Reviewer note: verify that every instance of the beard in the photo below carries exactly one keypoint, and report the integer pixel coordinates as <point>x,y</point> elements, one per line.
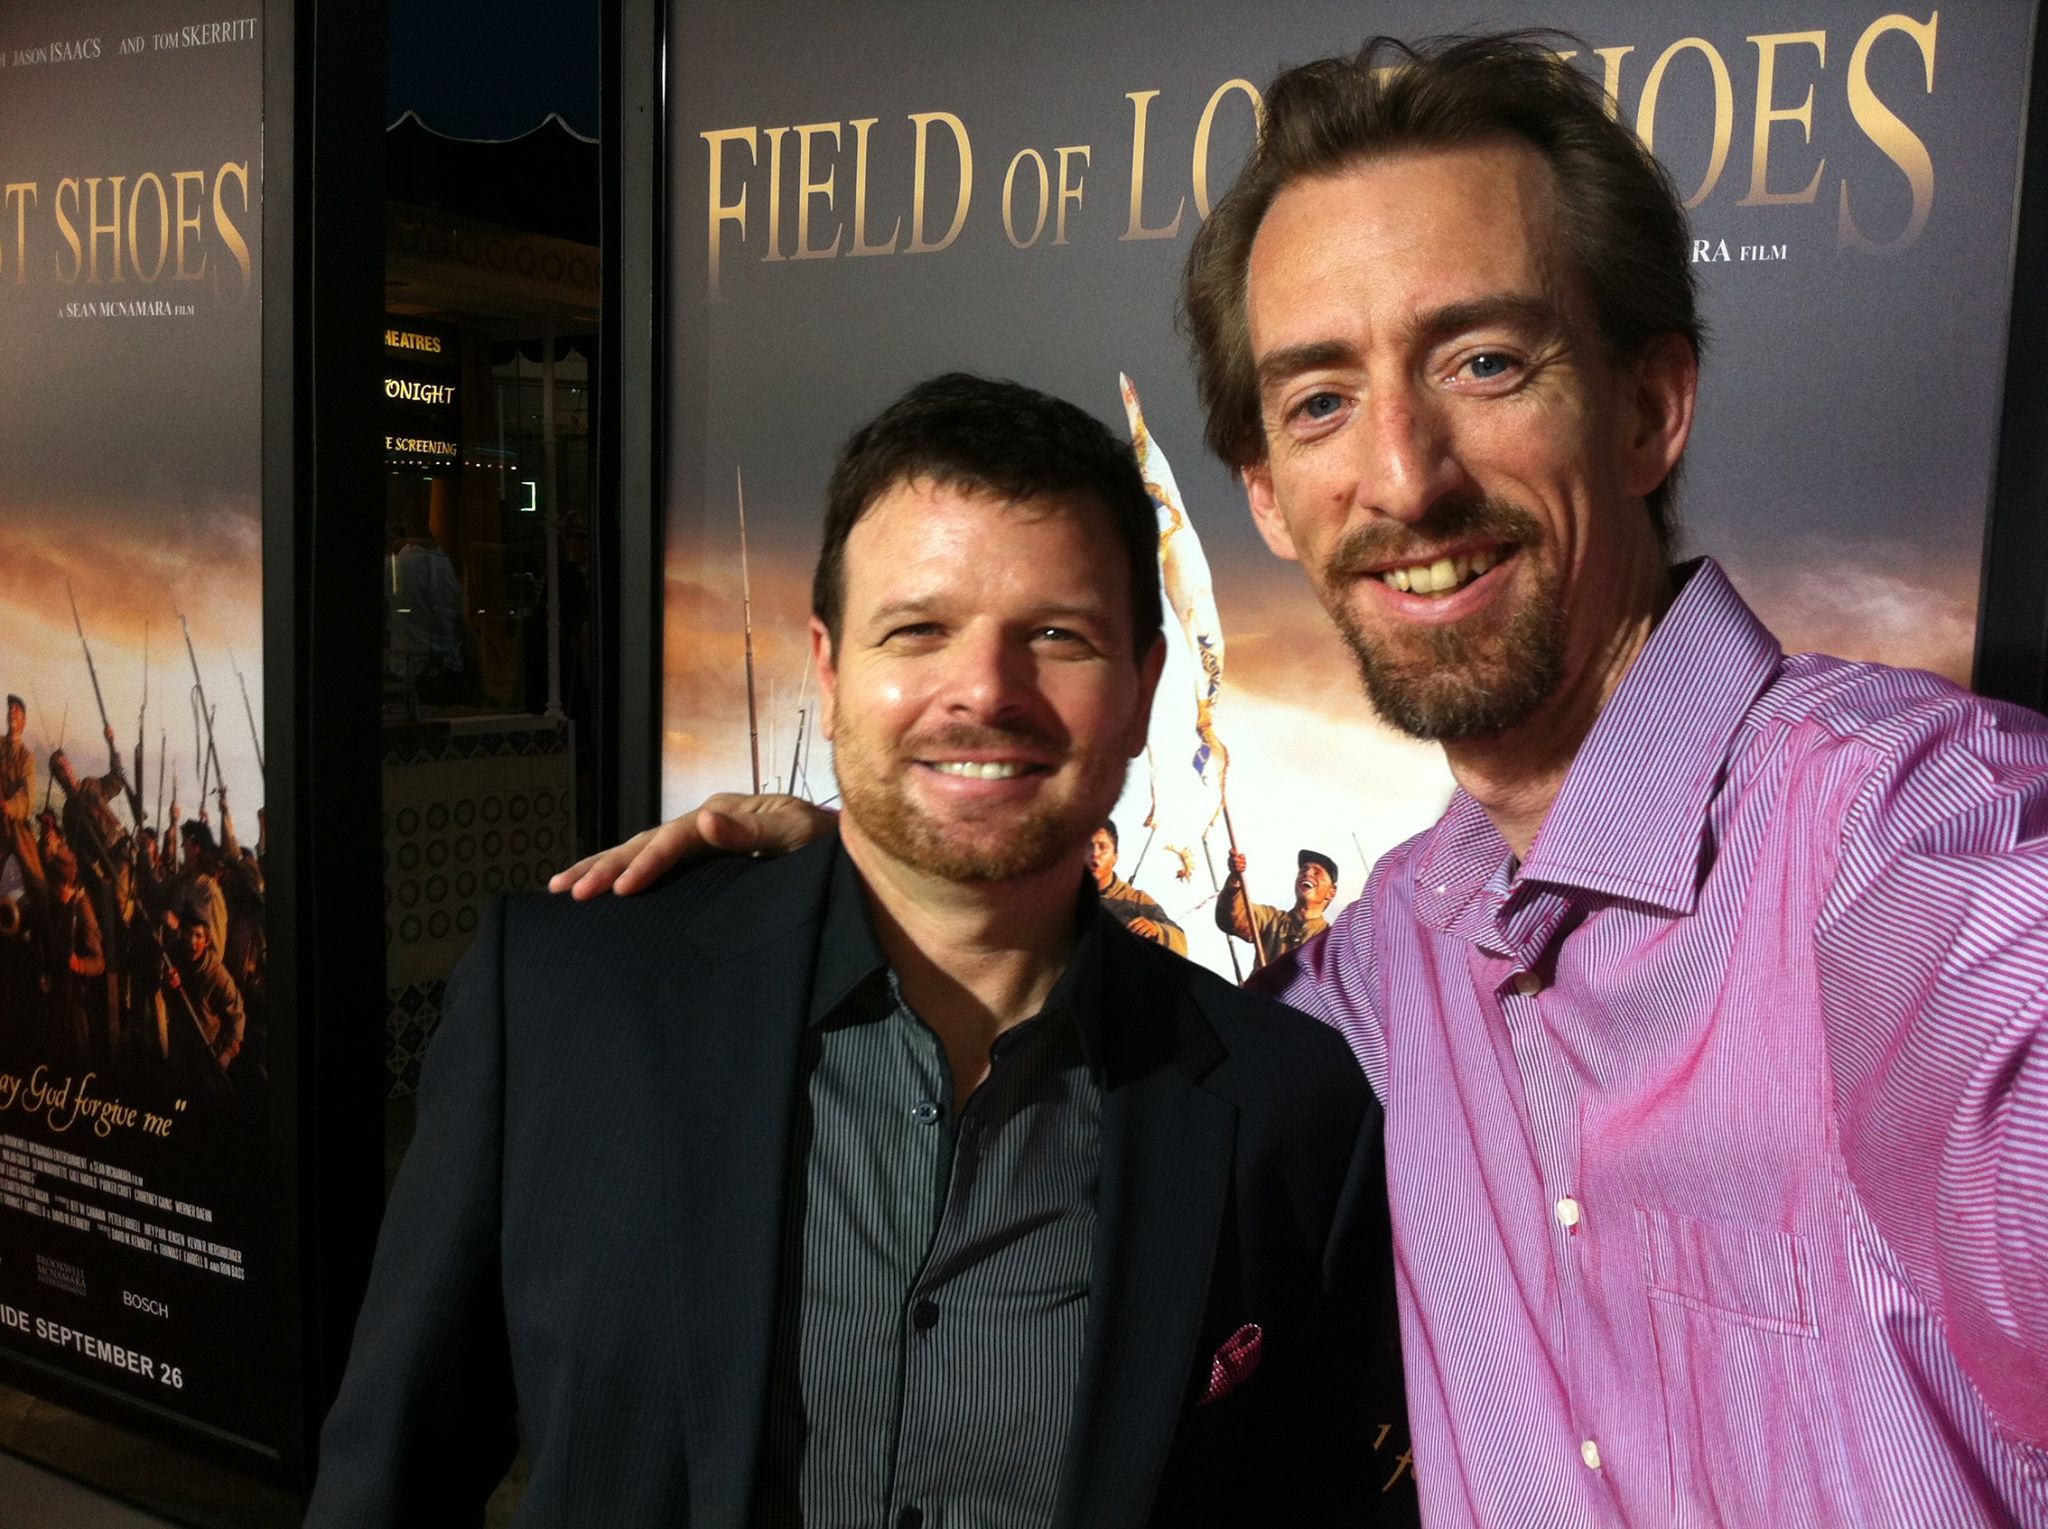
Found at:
<point>1473,679</point>
<point>989,842</point>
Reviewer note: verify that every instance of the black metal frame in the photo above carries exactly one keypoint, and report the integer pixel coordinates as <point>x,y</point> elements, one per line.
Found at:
<point>323,616</point>
<point>2012,621</point>
<point>322,190</point>
<point>630,446</point>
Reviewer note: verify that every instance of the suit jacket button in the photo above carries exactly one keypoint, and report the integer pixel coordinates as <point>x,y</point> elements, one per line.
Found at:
<point>926,1315</point>
<point>911,1517</point>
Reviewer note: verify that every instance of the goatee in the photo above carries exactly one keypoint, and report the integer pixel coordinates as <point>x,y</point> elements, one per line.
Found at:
<point>1475,678</point>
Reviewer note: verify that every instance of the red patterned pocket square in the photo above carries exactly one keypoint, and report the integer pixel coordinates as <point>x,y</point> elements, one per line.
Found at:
<point>1235,1363</point>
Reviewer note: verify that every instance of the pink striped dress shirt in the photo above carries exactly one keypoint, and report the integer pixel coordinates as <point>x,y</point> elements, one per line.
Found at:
<point>1717,1130</point>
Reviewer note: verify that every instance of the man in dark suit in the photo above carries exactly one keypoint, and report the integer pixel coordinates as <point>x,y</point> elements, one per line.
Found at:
<point>894,1183</point>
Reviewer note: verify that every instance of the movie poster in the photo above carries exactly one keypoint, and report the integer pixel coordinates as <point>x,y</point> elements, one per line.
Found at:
<point>136,1239</point>
<point>863,195</point>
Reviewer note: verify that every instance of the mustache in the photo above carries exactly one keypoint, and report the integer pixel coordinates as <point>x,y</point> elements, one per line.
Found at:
<point>968,738</point>
<point>1448,522</point>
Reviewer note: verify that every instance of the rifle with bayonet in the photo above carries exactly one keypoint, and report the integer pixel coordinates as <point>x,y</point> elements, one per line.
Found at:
<point>249,711</point>
<point>211,759</point>
<point>100,700</point>
<point>63,732</point>
<point>135,801</point>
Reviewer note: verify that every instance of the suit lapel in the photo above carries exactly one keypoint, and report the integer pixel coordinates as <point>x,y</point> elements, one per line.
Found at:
<point>733,1006</point>
<point>1166,1168</point>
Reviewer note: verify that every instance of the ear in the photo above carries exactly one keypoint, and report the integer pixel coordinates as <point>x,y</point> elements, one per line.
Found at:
<point>828,677</point>
<point>1659,394</point>
<point>1149,669</point>
<point>1258,492</point>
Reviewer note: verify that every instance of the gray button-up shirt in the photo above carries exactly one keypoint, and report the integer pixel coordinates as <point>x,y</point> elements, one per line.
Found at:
<point>935,1269</point>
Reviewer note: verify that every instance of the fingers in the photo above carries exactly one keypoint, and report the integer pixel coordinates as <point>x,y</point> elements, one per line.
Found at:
<point>593,875</point>
<point>761,825</point>
<point>678,839</point>
<point>726,823</point>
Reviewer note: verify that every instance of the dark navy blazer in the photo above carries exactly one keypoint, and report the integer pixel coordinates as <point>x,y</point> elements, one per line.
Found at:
<point>587,1230</point>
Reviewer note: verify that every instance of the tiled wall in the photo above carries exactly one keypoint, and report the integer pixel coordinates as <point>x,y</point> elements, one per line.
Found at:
<point>469,812</point>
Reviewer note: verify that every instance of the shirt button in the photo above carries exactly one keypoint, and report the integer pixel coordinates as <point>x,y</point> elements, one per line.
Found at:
<point>1568,1212</point>
<point>1590,1453</point>
<point>911,1517</point>
<point>1528,984</point>
<point>925,1111</point>
<point>925,1314</point>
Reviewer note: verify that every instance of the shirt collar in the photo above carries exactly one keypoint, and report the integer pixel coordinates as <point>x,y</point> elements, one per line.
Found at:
<point>849,955</point>
<point>1630,819</point>
<point>848,952</point>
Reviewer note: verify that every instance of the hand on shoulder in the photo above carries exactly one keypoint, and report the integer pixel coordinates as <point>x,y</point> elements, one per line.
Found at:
<point>725,824</point>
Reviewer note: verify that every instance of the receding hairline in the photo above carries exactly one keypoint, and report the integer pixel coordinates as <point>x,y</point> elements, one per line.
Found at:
<point>1559,282</point>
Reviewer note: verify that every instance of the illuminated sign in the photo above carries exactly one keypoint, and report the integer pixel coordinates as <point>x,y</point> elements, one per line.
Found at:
<point>413,340</point>
<point>422,446</point>
<point>408,390</point>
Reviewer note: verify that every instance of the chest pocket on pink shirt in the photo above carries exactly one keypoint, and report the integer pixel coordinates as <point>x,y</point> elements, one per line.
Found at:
<point>1750,1424</point>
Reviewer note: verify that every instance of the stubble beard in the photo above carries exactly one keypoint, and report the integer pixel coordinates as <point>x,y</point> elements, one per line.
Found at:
<point>995,845</point>
<point>1474,679</point>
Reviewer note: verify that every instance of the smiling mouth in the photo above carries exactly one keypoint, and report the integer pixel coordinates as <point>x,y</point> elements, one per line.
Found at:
<point>983,769</point>
<point>1443,575</point>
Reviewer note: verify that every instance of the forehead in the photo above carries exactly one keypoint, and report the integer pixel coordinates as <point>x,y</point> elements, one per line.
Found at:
<point>926,540</point>
<point>1388,239</point>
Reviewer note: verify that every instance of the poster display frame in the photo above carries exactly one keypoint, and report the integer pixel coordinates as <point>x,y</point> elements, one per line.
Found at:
<point>322,222</point>
<point>2010,653</point>
<point>631,444</point>
<point>2012,623</point>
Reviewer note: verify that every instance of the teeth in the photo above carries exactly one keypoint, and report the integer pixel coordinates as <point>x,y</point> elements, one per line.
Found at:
<point>978,770</point>
<point>1443,575</point>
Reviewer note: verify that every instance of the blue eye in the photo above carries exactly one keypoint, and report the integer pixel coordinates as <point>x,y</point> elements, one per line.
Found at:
<point>1489,364</point>
<point>1321,405</point>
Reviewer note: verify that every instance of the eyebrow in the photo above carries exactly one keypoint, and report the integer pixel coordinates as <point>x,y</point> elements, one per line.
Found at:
<point>897,609</point>
<point>925,605</point>
<point>1496,308</point>
<point>1291,360</point>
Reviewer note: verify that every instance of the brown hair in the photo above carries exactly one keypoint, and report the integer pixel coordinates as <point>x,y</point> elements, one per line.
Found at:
<point>1622,221</point>
<point>1004,439</point>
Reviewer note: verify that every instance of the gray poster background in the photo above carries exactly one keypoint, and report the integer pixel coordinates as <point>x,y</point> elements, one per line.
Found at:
<point>1842,459</point>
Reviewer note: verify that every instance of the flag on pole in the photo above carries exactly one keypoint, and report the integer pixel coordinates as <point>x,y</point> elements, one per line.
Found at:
<point>1192,806</point>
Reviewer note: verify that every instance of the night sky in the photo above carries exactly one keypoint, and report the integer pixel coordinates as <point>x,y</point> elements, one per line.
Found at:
<point>494,68</point>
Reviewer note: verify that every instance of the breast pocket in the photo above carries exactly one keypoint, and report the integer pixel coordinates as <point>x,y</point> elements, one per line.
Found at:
<point>1751,1426</point>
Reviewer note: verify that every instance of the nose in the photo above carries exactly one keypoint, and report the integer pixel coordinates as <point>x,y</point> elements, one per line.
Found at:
<point>990,675</point>
<point>1411,461</point>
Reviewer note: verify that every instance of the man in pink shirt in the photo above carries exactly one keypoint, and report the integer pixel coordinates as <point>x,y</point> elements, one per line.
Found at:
<point>1709,1020</point>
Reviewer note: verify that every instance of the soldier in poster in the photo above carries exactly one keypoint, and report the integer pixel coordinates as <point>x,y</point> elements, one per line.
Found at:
<point>1276,931</point>
<point>88,819</point>
<point>17,797</point>
<point>78,958</point>
<point>197,974</point>
<point>1136,911</point>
